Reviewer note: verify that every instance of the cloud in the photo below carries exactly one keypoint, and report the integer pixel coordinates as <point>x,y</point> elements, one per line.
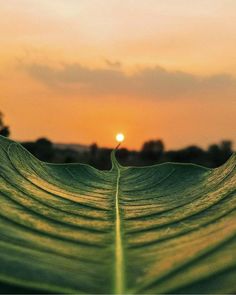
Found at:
<point>150,82</point>
<point>113,64</point>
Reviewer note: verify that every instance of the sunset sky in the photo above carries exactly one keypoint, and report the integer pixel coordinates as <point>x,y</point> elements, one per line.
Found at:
<point>79,71</point>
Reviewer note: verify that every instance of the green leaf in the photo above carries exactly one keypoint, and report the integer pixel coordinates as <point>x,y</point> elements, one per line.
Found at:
<point>168,228</point>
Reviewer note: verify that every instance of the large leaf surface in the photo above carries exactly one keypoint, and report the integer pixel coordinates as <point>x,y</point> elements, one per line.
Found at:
<point>167,228</point>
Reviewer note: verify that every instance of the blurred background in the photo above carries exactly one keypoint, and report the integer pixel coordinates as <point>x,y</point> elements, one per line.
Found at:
<point>163,72</point>
<point>151,152</point>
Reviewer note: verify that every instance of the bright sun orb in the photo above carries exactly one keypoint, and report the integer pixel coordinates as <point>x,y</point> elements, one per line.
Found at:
<point>120,137</point>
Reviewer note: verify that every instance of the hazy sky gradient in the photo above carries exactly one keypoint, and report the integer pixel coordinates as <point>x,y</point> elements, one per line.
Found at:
<point>80,71</point>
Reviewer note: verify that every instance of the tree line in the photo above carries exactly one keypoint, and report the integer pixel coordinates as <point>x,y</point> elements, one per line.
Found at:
<point>151,152</point>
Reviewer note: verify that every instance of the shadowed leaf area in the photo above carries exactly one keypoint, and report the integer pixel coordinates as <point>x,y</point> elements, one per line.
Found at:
<point>168,228</point>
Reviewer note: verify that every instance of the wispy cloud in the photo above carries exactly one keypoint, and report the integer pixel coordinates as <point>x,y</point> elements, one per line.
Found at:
<point>112,64</point>
<point>153,82</point>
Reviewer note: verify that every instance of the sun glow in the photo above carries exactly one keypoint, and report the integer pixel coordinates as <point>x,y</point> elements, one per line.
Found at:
<point>120,137</point>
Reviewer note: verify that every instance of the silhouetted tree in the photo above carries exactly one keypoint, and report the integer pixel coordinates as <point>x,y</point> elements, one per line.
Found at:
<point>4,130</point>
<point>41,148</point>
<point>227,148</point>
<point>191,154</point>
<point>93,154</point>
<point>104,159</point>
<point>123,154</point>
<point>152,150</point>
<point>214,154</point>
<point>93,150</point>
<point>219,154</point>
<point>44,148</point>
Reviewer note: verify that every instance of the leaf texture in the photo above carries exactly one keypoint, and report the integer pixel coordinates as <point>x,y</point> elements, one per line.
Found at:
<point>168,228</point>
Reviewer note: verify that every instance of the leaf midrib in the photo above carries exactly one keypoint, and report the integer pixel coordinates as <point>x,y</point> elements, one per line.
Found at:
<point>119,259</point>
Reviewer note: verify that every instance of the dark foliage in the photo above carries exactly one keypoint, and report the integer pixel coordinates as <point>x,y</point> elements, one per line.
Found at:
<point>152,152</point>
<point>4,130</point>
<point>42,149</point>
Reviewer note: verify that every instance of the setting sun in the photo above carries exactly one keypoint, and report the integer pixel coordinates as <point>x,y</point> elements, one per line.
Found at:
<point>120,137</point>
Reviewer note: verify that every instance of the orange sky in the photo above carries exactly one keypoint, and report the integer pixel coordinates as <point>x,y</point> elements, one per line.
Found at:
<point>81,71</point>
